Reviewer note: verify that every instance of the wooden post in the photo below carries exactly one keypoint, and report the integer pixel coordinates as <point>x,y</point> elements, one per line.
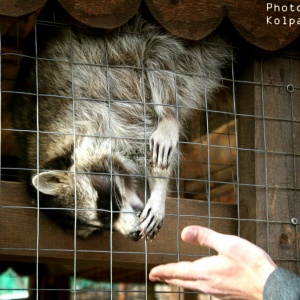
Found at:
<point>269,115</point>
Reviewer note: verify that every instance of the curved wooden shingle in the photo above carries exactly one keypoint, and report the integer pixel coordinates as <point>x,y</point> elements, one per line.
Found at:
<point>263,23</point>
<point>260,22</point>
<point>192,19</point>
<point>264,27</point>
<point>101,13</point>
<point>20,8</point>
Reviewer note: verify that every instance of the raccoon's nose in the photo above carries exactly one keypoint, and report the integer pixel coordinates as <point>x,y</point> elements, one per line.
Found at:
<point>138,212</point>
<point>135,236</point>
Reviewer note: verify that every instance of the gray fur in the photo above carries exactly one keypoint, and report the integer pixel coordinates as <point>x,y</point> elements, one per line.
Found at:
<point>138,84</point>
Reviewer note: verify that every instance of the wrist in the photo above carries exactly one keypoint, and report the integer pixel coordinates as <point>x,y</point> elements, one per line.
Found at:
<point>265,273</point>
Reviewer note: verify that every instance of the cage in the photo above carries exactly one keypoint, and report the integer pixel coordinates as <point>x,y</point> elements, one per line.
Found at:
<point>238,171</point>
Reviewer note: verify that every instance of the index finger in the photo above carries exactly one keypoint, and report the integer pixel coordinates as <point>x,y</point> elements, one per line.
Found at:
<point>181,270</point>
<point>187,271</point>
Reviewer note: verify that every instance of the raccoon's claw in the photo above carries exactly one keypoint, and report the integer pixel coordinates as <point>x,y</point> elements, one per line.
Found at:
<point>152,235</point>
<point>163,143</point>
<point>151,219</point>
<point>144,217</point>
<point>151,232</point>
<point>161,154</point>
<point>154,232</point>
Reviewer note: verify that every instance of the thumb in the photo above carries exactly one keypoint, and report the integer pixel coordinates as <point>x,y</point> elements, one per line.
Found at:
<point>203,236</point>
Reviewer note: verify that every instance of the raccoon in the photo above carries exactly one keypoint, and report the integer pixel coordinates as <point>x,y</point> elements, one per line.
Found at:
<point>99,118</point>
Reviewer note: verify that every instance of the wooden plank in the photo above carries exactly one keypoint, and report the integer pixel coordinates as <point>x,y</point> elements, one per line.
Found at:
<point>224,193</point>
<point>266,27</point>
<point>260,25</point>
<point>268,157</point>
<point>220,177</point>
<point>221,150</point>
<point>192,19</point>
<point>20,8</point>
<point>101,13</point>
<point>24,230</point>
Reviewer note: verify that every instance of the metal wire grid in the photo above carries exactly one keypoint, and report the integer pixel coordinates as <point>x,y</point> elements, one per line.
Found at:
<point>263,147</point>
<point>235,180</point>
<point>38,216</point>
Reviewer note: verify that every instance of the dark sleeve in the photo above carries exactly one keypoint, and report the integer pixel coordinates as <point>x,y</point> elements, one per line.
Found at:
<point>282,285</point>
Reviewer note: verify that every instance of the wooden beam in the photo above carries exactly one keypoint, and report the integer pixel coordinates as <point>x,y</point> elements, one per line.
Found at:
<point>19,8</point>
<point>101,13</point>
<point>183,18</point>
<point>221,149</point>
<point>270,27</point>
<point>269,118</point>
<point>27,234</point>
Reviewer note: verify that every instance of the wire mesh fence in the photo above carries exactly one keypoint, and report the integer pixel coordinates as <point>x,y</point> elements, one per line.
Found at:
<point>237,173</point>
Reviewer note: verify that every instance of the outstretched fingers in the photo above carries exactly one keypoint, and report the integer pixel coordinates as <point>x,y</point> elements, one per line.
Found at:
<point>239,271</point>
<point>190,270</point>
<point>173,271</point>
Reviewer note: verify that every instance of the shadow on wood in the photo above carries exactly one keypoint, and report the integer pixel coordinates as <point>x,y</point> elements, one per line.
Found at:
<point>28,235</point>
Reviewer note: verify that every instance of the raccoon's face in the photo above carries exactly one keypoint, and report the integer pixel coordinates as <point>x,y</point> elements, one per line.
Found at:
<point>99,196</point>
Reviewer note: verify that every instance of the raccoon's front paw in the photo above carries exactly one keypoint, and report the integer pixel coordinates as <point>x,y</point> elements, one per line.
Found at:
<point>151,221</point>
<point>163,142</point>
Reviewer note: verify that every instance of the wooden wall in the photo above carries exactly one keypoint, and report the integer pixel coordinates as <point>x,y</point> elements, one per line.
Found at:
<point>269,149</point>
<point>267,188</point>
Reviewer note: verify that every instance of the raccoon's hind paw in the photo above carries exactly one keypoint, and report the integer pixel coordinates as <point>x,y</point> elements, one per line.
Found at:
<point>163,142</point>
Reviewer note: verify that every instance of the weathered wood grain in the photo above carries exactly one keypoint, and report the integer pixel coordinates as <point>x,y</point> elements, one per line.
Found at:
<point>261,26</point>
<point>27,234</point>
<point>265,27</point>
<point>268,156</point>
<point>20,8</point>
<point>188,19</point>
<point>100,13</point>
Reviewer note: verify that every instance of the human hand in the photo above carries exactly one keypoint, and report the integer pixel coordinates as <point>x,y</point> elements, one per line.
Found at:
<point>239,271</point>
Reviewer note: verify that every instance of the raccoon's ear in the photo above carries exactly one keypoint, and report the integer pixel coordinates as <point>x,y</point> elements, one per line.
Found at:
<point>50,183</point>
